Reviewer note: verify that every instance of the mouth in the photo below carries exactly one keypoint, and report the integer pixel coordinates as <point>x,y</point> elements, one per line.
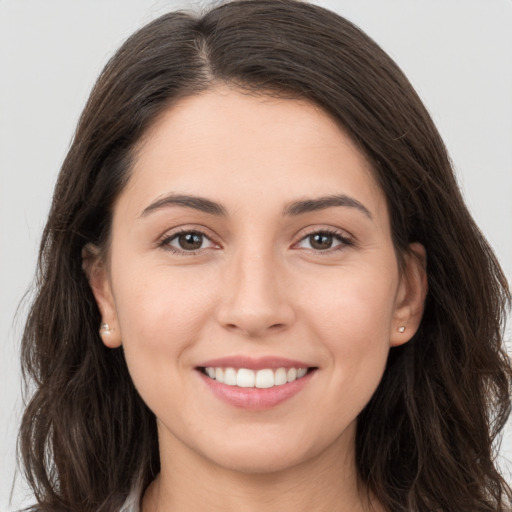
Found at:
<point>255,384</point>
<point>264,378</point>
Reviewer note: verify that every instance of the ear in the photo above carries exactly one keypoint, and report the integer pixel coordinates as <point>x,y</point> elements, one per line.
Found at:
<point>96,270</point>
<point>411,296</point>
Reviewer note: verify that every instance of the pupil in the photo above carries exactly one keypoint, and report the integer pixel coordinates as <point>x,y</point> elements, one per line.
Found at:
<point>190,241</point>
<point>321,241</point>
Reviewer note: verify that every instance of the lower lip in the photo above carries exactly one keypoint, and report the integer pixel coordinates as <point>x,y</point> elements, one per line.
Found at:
<point>256,398</point>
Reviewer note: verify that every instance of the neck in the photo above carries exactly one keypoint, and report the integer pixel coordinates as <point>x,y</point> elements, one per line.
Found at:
<point>327,482</point>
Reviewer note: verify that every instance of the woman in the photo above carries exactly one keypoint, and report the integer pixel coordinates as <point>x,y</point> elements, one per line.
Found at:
<point>260,219</point>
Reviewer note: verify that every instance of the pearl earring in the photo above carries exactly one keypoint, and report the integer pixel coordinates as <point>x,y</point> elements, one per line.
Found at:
<point>105,329</point>
<point>401,329</point>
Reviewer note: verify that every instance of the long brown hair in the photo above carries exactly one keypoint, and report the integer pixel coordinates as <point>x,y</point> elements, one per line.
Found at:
<point>425,441</point>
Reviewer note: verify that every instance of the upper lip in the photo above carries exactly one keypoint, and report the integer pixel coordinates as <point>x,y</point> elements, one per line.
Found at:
<point>254,363</point>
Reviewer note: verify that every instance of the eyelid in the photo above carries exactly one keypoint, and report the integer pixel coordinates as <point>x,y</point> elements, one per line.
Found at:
<point>171,234</point>
<point>346,239</point>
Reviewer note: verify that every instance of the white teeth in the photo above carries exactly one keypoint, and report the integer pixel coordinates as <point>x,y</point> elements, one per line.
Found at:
<point>230,377</point>
<point>301,372</point>
<point>264,379</point>
<point>280,377</point>
<point>245,378</point>
<point>219,374</point>
<point>291,374</point>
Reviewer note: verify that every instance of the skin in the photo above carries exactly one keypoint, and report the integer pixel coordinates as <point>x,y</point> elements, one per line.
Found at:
<point>255,287</point>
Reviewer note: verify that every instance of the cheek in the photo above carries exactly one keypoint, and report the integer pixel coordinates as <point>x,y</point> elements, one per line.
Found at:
<point>161,315</point>
<point>160,312</point>
<point>353,304</point>
<point>352,319</point>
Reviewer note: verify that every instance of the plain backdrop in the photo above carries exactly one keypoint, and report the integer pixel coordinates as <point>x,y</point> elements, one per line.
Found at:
<point>458,55</point>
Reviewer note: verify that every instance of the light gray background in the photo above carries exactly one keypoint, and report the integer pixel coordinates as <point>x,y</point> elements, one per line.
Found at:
<point>458,54</point>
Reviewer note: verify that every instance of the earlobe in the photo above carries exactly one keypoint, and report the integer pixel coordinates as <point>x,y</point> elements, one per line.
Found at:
<point>97,274</point>
<point>411,296</point>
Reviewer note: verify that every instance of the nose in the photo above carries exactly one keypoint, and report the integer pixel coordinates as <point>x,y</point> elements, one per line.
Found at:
<point>254,298</point>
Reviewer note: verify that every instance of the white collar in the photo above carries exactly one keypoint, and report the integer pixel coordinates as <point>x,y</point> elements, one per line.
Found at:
<point>132,503</point>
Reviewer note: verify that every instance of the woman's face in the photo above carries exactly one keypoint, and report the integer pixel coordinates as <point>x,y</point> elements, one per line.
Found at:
<point>252,243</point>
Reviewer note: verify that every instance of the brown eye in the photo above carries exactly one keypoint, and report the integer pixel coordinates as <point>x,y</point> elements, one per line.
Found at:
<point>188,241</point>
<point>323,241</point>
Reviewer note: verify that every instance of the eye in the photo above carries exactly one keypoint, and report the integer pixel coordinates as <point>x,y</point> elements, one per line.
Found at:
<point>187,241</point>
<point>324,241</point>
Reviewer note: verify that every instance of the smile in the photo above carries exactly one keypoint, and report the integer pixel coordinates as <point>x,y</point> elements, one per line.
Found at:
<point>247,378</point>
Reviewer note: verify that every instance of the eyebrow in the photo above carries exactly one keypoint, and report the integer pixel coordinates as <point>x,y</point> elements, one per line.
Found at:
<point>322,203</point>
<point>197,203</point>
<point>296,208</point>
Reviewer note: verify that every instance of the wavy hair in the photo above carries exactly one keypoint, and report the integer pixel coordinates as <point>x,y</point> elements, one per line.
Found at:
<point>426,439</point>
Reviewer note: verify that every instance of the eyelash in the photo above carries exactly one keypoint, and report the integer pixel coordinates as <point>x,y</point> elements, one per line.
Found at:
<point>339,236</point>
<point>167,239</point>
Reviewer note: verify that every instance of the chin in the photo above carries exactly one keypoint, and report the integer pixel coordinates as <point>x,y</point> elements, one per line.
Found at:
<point>255,454</point>
<point>258,461</point>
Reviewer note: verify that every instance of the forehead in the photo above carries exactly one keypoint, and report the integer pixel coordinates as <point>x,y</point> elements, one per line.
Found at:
<point>225,140</point>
